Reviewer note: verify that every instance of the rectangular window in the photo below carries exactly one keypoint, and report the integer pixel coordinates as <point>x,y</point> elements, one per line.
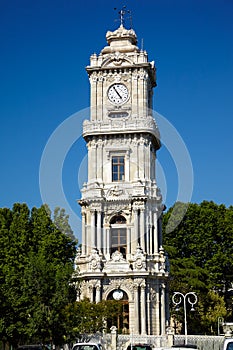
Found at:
<point>118,168</point>
<point>118,240</point>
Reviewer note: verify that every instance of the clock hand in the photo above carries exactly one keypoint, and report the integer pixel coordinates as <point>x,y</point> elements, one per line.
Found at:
<point>117,92</point>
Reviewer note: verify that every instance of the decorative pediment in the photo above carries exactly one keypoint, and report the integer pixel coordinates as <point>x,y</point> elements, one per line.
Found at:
<point>117,59</point>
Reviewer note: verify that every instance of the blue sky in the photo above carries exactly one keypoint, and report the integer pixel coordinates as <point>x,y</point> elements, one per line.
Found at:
<point>45,46</point>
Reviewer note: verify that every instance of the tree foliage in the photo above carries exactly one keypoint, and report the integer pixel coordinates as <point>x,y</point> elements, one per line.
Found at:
<point>36,267</point>
<point>200,252</point>
<point>84,318</point>
<point>61,220</point>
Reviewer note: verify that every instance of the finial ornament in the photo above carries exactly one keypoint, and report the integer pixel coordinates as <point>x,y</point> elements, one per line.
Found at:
<point>122,14</point>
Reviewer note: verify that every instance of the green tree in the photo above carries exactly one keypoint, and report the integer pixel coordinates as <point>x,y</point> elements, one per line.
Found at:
<point>61,220</point>
<point>36,265</point>
<point>84,318</point>
<point>200,247</point>
<point>214,308</point>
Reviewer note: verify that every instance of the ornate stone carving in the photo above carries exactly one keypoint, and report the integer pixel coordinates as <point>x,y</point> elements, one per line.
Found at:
<point>139,260</point>
<point>135,75</point>
<point>162,260</point>
<point>100,77</point>
<point>145,124</point>
<point>78,254</point>
<point>117,59</point>
<point>93,77</point>
<point>95,207</point>
<point>138,282</point>
<point>94,261</point>
<point>94,283</point>
<point>117,256</point>
<point>84,289</point>
<point>116,192</point>
<point>115,208</point>
<point>153,295</point>
<point>118,283</point>
<point>138,205</point>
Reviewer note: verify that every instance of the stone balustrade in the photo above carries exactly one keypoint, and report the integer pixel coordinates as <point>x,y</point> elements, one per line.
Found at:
<point>125,125</point>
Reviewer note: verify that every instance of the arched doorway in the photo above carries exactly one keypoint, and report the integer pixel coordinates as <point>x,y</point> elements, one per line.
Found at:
<point>121,319</point>
<point>118,235</point>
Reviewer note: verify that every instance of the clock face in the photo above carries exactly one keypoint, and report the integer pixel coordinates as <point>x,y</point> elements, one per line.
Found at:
<point>118,294</point>
<point>118,94</point>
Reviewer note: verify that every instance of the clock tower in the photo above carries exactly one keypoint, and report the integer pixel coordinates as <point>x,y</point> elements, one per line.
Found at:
<point>122,257</point>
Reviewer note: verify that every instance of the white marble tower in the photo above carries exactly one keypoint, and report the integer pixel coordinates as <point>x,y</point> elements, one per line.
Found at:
<point>122,256</point>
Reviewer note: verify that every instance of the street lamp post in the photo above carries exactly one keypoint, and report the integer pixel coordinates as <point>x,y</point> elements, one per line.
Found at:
<point>189,297</point>
<point>220,322</point>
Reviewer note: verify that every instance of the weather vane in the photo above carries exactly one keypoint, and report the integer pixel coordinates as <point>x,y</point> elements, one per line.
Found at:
<point>122,14</point>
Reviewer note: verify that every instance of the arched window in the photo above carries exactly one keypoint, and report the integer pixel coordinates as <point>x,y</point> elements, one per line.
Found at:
<point>118,235</point>
<point>118,219</point>
<point>120,317</point>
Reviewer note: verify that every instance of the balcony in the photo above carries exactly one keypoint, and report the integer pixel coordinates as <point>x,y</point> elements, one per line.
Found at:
<point>122,126</point>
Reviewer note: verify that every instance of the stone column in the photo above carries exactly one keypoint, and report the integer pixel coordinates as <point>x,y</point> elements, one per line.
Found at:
<point>148,309</point>
<point>128,241</point>
<point>113,338</point>
<point>105,240</point>
<point>145,96</point>
<point>143,309</point>
<point>160,230</point>
<point>138,158</point>
<point>100,160</point>
<point>151,233</point>
<point>99,247</point>
<point>92,148</point>
<point>98,288</point>
<point>135,237</point>
<point>134,105</point>
<point>100,105</point>
<point>147,233</point>
<point>163,309</point>
<point>89,150</point>
<point>136,307</point>
<point>88,232</point>
<point>157,311</point>
<point>84,242</point>
<point>141,162</point>
<point>156,233</point>
<point>91,294</point>
<point>153,163</point>
<point>108,241</point>
<point>93,81</point>
<point>92,229</point>
<point>142,229</point>
<point>141,93</point>
<point>148,161</point>
<point>95,161</point>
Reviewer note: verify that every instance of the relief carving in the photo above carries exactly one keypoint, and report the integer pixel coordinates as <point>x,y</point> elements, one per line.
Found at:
<point>139,260</point>
<point>116,59</point>
<point>94,261</point>
<point>115,191</point>
<point>138,282</point>
<point>119,283</point>
<point>138,205</point>
<point>117,256</point>
<point>93,77</point>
